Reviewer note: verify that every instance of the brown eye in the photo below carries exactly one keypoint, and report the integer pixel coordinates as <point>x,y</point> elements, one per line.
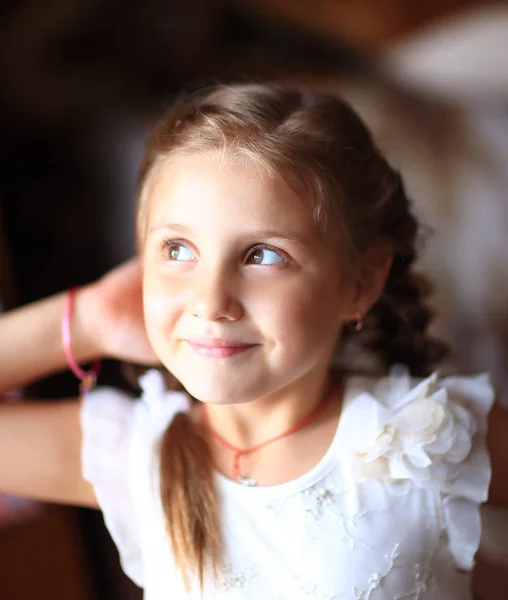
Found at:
<point>173,253</point>
<point>257,257</point>
<point>265,256</point>
<point>178,252</point>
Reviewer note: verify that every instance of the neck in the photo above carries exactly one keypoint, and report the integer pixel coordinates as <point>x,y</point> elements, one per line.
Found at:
<point>245,425</point>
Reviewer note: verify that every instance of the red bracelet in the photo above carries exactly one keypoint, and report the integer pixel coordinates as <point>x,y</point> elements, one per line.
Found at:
<point>88,378</point>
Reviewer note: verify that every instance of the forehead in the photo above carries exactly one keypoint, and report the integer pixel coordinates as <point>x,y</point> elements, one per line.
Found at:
<point>210,188</point>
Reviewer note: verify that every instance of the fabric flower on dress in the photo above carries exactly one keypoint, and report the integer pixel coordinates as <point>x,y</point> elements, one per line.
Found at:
<point>409,432</point>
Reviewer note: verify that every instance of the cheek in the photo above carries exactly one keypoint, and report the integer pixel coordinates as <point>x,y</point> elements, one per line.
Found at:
<point>315,317</point>
<point>309,314</point>
<point>161,310</point>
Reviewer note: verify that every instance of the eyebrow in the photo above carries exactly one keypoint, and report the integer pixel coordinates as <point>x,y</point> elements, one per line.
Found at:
<point>173,226</point>
<point>261,233</point>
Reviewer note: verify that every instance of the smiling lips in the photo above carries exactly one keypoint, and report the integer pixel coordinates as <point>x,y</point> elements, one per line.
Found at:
<point>218,348</point>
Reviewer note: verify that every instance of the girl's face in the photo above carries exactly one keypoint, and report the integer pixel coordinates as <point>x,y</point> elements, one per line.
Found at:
<point>242,296</point>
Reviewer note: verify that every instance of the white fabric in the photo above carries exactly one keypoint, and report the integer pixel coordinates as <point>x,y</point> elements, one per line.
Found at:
<point>391,512</point>
<point>107,420</point>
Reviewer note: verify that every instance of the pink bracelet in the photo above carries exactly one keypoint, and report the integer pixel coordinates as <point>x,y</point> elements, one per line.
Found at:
<point>88,378</point>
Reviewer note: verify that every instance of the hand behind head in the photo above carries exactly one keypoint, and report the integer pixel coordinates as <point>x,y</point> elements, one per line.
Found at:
<point>119,315</point>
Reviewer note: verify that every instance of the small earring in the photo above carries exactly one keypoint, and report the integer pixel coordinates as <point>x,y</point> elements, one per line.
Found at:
<point>356,324</point>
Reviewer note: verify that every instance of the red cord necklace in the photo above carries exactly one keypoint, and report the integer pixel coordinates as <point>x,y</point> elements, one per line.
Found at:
<point>239,452</point>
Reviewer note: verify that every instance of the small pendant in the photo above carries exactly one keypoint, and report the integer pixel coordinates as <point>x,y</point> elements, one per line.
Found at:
<point>246,481</point>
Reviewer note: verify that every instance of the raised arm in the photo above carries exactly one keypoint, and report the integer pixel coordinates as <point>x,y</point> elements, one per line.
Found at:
<point>40,452</point>
<point>40,442</point>
<point>31,342</point>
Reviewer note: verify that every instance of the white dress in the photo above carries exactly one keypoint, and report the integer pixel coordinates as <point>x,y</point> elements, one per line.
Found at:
<point>391,512</point>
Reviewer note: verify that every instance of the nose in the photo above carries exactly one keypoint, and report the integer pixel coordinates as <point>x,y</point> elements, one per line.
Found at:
<point>216,296</point>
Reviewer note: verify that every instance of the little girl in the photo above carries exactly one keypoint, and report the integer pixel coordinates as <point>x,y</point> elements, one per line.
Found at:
<point>302,460</point>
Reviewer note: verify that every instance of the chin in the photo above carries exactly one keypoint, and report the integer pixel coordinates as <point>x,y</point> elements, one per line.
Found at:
<point>218,391</point>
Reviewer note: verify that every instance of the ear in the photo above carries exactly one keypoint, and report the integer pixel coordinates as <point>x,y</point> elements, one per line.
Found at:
<point>369,278</point>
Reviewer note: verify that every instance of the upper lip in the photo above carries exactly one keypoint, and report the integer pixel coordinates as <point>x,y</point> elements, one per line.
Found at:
<point>217,342</point>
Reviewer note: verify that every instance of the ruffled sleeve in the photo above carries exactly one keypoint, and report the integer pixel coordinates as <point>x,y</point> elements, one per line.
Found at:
<point>120,437</point>
<point>432,433</point>
<point>467,483</point>
<point>107,419</point>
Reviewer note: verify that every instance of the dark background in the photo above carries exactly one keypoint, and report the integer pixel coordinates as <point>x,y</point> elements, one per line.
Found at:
<point>81,83</point>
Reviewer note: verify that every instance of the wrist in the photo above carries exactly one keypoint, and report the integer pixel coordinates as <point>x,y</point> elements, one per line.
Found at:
<point>86,330</point>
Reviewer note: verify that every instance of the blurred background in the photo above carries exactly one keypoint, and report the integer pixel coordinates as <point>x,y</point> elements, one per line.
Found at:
<point>82,82</point>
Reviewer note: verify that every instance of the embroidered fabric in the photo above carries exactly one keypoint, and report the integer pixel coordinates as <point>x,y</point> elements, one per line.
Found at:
<point>391,512</point>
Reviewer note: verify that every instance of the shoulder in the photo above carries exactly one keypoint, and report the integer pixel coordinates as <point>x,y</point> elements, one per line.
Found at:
<point>157,405</point>
<point>120,434</point>
<point>110,409</point>
<point>429,434</point>
<point>401,427</point>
